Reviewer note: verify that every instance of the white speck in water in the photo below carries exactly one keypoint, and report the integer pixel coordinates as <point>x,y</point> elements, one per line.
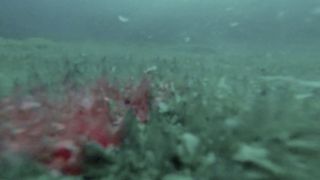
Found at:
<point>113,69</point>
<point>229,9</point>
<point>316,11</point>
<point>123,19</point>
<point>281,14</point>
<point>150,69</point>
<point>234,24</point>
<point>187,39</point>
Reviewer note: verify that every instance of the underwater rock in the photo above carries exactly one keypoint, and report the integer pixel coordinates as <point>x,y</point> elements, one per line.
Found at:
<point>258,156</point>
<point>209,159</point>
<point>163,107</point>
<point>189,144</point>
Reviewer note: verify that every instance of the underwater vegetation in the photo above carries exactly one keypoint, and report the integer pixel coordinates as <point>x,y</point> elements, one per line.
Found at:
<point>55,132</point>
<point>110,111</point>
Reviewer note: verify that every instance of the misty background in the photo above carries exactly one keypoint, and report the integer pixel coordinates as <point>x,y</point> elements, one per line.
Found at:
<point>202,21</point>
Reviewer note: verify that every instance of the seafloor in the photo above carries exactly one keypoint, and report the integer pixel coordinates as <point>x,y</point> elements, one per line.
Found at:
<point>235,111</point>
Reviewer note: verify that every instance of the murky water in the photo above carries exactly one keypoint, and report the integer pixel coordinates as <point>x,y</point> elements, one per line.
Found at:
<point>159,89</point>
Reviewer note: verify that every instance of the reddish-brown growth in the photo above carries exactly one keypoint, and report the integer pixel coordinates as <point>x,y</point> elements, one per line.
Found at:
<point>55,132</point>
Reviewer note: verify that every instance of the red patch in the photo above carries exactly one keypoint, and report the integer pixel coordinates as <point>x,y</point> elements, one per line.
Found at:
<point>55,132</point>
